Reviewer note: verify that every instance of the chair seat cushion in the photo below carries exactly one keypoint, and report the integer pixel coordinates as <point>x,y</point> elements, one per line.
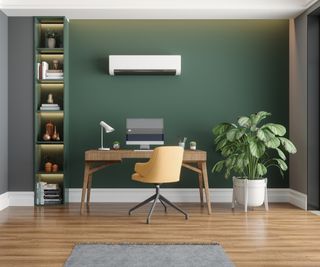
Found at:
<point>142,179</point>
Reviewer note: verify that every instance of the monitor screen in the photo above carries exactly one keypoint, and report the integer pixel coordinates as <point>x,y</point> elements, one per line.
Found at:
<point>145,132</point>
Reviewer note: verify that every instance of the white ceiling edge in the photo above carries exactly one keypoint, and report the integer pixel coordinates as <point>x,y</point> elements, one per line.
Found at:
<point>158,9</point>
<point>157,14</point>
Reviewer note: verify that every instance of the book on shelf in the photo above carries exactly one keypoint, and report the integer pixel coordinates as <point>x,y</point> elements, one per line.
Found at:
<point>43,72</point>
<point>54,71</point>
<point>49,107</point>
<point>45,67</point>
<point>51,186</point>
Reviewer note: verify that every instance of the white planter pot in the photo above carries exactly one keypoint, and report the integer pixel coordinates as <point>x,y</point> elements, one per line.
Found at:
<point>256,191</point>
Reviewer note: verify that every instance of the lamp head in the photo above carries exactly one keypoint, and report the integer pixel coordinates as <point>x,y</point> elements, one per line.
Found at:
<point>106,127</point>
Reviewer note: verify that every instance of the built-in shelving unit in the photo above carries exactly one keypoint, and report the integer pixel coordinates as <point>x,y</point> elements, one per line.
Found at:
<point>50,109</point>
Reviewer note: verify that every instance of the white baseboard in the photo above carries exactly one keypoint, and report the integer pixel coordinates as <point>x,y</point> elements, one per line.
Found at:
<point>298,199</point>
<point>4,201</point>
<point>218,195</point>
<point>21,198</point>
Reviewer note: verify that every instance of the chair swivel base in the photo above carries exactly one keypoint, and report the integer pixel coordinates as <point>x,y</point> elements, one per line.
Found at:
<point>157,196</point>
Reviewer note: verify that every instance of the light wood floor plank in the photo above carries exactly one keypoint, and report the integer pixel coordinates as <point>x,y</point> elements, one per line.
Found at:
<point>45,236</point>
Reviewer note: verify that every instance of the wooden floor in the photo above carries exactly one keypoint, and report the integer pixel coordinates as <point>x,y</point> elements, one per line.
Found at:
<point>284,236</point>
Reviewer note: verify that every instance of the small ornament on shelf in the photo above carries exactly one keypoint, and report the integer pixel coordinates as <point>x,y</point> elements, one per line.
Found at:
<point>50,99</point>
<point>49,128</point>
<point>54,136</point>
<point>48,166</point>
<point>46,136</point>
<point>55,168</point>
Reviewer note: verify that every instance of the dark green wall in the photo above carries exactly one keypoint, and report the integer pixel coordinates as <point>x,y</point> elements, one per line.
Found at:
<point>229,68</point>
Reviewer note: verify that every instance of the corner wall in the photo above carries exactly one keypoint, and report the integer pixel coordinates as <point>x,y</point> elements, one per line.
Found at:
<point>303,106</point>
<point>3,103</point>
<point>20,125</point>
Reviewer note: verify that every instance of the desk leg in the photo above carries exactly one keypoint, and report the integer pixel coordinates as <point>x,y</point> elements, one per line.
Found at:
<point>89,191</point>
<point>200,185</point>
<point>206,184</point>
<point>85,185</point>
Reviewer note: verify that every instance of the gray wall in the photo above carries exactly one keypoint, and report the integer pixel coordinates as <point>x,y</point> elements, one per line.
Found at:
<point>303,107</point>
<point>20,104</point>
<point>3,103</point>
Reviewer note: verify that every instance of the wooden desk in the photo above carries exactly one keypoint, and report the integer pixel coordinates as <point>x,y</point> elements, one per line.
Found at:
<point>96,160</point>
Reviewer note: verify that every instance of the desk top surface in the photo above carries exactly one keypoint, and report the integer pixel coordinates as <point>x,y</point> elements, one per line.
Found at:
<point>117,155</point>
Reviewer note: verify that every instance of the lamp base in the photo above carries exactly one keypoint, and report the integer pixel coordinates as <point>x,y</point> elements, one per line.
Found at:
<point>103,148</point>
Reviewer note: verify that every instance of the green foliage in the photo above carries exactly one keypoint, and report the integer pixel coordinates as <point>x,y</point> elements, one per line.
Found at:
<point>52,34</point>
<point>248,147</point>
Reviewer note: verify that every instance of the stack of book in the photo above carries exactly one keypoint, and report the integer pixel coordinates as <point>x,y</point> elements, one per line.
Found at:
<point>44,73</point>
<point>48,107</point>
<point>52,194</point>
<point>54,74</point>
<point>40,193</point>
<point>48,194</point>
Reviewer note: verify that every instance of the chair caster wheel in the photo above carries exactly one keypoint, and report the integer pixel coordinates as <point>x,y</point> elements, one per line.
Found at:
<point>187,217</point>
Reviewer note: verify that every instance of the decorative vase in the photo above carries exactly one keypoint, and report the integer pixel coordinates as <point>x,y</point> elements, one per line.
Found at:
<point>49,128</point>
<point>48,167</point>
<point>58,137</point>
<point>46,136</point>
<point>51,42</point>
<point>55,135</point>
<point>55,168</point>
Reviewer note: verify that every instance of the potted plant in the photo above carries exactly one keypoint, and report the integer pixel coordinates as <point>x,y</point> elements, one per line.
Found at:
<point>116,145</point>
<point>193,145</point>
<point>51,39</point>
<point>249,149</point>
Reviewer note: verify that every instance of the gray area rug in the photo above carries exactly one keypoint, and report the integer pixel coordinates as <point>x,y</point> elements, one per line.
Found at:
<point>151,255</point>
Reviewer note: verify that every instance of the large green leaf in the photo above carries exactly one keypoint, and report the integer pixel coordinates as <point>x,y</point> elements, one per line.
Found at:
<point>265,135</point>
<point>240,133</point>
<point>273,143</point>
<point>221,128</point>
<point>231,134</point>
<point>288,145</point>
<point>281,154</point>
<point>261,169</point>
<point>256,118</point>
<point>277,129</point>
<point>218,166</point>
<point>283,166</point>
<point>257,148</point>
<point>221,144</point>
<point>244,122</point>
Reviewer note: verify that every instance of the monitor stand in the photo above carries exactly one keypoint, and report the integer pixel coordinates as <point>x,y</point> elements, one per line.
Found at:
<point>144,148</point>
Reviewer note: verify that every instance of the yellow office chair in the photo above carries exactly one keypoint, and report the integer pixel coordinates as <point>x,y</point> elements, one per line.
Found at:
<point>164,166</point>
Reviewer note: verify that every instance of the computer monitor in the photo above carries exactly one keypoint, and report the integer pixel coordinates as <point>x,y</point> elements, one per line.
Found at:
<point>145,132</point>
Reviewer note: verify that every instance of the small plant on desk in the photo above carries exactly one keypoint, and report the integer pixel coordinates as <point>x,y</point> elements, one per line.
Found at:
<point>116,145</point>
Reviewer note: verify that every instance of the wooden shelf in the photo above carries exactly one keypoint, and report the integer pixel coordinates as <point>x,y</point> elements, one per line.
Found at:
<point>47,81</point>
<point>43,173</point>
<point>50,50</point>
<point>50,111</point>
<point>50,142</point>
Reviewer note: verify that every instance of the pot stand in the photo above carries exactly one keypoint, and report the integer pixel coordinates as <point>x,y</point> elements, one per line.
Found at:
<point>245,188</point>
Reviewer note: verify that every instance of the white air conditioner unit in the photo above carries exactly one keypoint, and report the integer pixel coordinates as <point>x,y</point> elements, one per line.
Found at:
<point>145,65</point>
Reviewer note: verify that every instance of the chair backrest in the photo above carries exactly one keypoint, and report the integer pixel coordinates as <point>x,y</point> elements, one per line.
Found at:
<point>165,164</point>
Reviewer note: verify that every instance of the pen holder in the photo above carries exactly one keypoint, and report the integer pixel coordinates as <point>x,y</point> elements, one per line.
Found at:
<point>182,144</point>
